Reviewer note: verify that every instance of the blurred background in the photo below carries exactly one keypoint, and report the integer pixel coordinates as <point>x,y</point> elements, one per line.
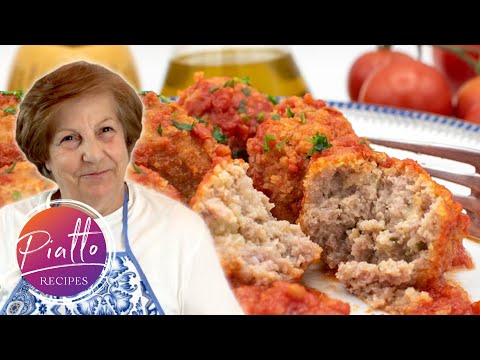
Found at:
<point>324,68</point>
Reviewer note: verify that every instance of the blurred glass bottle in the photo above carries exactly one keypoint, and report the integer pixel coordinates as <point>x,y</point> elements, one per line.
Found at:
<point>271,68</point>
<point>31,62</point>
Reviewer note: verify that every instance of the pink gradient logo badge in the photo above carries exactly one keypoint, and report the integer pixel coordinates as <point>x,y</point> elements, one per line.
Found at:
<point>61,251</point>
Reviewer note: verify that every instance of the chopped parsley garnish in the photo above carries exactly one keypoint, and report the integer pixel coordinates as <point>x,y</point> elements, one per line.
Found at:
<point>302,116</point>
<point>218,135</point>
<point>245,117</point>
<point>290,113</point>
<point>320,143</point>
<point>241,107</point>
<point>16,195</point>
<point>394,240</point>
<point>159,129</point>
<point>230,83</point>
<point>214,89</point>
<point>200,120</point>
<point>10,169</point>
<point>10,110</point>
<point>266,139</point>
<point>144,92</point>
<point>137,169</point>
<point>245,80</point>
<point>272,99</point>
<point>276,117</point>
<point>180,126</point>
<point>280,144</point>
<point>17,93</point>
<point>247,91</point>
<point>164,99</point>
<point>365,142</point>
<point>260,116</point>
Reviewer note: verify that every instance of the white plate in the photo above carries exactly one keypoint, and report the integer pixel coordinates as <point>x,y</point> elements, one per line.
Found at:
<point>400,124</point>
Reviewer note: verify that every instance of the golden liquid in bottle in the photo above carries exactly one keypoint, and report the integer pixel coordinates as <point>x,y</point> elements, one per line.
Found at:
<point>31,62</point>
<point>271,71</point>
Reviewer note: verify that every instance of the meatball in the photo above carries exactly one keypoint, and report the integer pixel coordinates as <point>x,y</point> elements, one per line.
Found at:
<point>283,298</point>
<point>176,146</point>
<point>253,247</point>
<point>9,150</point>
<point>280,151</point>
<point>383,222</point>
<point>151,179</point>
<point>232,104</point>
<point>150,100</point>
<point>21,180</point>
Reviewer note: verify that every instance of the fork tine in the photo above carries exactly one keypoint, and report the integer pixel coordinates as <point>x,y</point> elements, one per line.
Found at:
<point>466,155</point>
<point>470,203</point>
<point>474,229</point>
<point>471,181</point>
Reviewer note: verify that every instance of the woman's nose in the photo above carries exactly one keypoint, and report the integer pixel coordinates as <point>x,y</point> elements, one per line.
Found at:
<point>93,150</point>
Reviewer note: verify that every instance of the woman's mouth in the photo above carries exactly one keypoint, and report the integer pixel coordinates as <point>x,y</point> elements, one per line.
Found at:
<point>96,175</point>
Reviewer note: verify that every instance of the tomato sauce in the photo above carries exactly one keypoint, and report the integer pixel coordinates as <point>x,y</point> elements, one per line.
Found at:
<point>447,298</point>
<point>283,298</point>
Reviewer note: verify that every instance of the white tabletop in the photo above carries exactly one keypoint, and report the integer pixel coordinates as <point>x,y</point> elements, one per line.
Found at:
<point>324,67</point>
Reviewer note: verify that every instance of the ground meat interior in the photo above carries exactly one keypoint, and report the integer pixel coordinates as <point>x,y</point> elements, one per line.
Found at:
<point>254,247</point>
<point>375,224</point>
<point>371,214</point>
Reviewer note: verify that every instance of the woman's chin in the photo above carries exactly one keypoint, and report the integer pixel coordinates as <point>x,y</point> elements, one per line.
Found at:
<point>95,193</point>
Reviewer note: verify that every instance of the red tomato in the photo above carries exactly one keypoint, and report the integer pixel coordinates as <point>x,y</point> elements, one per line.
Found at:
<point>409,84</point>
<point>468,100</point>
<point>473,115</point>
<point>453,67</point>
<point>363,66</point>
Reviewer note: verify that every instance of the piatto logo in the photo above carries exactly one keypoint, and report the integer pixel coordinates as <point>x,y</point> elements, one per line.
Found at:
<point>62,251</point>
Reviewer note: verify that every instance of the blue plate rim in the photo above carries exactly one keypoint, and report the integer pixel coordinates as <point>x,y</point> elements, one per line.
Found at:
<point>448,121</point>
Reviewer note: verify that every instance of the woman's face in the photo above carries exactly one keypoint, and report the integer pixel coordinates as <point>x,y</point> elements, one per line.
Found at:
<point>88,155</point>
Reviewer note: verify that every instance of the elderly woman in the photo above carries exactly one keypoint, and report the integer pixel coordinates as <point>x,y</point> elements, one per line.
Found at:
<point>78,125</point>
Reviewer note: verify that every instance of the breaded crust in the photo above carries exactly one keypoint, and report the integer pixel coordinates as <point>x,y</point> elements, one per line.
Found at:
<point>21,180</point>
<point>151,179</point>
<point>180,156</point>
<point>9,150</point>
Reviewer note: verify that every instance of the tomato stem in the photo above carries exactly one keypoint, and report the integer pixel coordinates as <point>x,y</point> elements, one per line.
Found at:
<point>386,47</point>
<point>462,54</point>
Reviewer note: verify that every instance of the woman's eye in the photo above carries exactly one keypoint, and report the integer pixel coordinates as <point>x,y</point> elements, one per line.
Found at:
<point>106,129</point>
<point>67,138</point>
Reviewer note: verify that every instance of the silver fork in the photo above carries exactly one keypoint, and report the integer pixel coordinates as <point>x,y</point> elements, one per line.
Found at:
<point>470,203</point>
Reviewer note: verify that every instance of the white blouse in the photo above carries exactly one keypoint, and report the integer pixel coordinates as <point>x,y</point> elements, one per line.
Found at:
<point>171,243</point>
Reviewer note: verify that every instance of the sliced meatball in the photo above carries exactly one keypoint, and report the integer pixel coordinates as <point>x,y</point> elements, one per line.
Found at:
<point>280,151</point>
<point>253,247</point>
<point>383,222</point>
